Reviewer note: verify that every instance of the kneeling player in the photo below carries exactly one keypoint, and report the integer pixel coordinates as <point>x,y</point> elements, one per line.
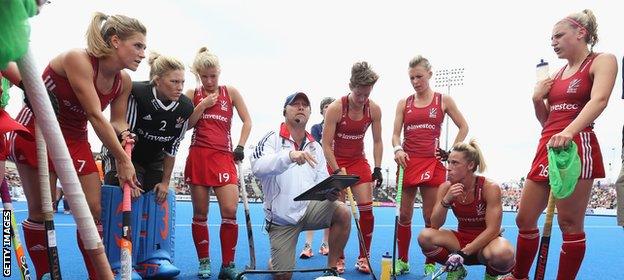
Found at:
<point>158,114</point>
<point>476,202</point>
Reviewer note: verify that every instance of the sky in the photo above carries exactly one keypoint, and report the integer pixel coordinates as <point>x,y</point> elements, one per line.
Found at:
<point>270,49</point>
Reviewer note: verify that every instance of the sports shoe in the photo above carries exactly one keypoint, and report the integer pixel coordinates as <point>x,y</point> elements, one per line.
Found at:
<point>340,266</point>
<point>324,250</point>
<point>362,265</point>
<point>306,253</point>
<point>401,267</point>
<point>204,268</point>
<point>459,274</point>
<point>229,273</point>
<point>429,269</point>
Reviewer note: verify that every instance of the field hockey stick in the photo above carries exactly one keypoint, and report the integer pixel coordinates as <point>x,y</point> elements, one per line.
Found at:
<point>126,229</point>
<point>19,250</point>
<point>252,250</point>
<point>46,205</point>
<point>396,219</point>
<point>17,244</point>
<point>542,257</point>
<point>357,224</point>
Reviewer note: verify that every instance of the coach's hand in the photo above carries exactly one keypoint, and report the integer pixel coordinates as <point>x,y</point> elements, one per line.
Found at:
<point>377,176</point>
<point>301,157</point>
<point>161,189</point>
<point>239,153</point>
<point>333,195</point>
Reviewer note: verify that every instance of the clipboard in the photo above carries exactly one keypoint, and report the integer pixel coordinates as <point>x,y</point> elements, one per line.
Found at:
<point>321,189</point>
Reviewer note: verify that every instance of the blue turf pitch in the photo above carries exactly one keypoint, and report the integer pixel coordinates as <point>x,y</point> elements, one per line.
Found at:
<point>605,243</point>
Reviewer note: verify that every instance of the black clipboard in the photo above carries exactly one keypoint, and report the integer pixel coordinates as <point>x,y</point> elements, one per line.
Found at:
<point>321,189</point>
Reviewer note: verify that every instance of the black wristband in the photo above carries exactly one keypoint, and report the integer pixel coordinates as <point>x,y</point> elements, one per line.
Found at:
<point>337,171</point>
<point>122,132</point>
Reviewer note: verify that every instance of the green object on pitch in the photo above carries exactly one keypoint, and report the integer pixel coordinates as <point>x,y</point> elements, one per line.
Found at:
<point>14,29</point>
<point>564,169</point>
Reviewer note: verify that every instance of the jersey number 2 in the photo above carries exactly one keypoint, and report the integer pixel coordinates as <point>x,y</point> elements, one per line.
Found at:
<point>164,124</point>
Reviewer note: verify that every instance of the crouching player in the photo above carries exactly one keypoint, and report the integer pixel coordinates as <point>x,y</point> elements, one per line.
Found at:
<point>476,202</point>
<point>157,115</point>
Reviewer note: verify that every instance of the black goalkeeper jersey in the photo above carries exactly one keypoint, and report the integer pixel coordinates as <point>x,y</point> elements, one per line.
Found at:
<point>159,126</point>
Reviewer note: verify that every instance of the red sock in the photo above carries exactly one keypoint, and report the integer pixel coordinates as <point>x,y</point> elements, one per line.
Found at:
<point>35,237</point>
<point>229,236</point>
<point>571,256</point>
<point>429,260</point>
<point>495,272</point>
<point>404,235</point>
<point>90,268</point>
<point>367,221</point>
<point>199,229</point>
<point>439,255</point>
<point>528,241</point>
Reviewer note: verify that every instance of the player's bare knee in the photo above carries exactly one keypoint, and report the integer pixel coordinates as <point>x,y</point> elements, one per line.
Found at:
<point>569,224</point>
<point>228,211</point>
<point>426,236</point>
<point>525,223</point>
<point>405,218</point>
<point>502,257</point>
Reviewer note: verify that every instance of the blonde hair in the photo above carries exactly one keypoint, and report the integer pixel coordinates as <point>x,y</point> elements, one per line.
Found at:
<point>161,64</point>
<point>362,75</point>
<point>204,60</point>
<point>472,153</point>
<point>420,60</point>
<point>104,27</point>
<point>586,20</point>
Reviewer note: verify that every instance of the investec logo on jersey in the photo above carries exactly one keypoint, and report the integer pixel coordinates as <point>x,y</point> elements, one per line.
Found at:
<point>152,137</point>
<point>564,107</point>
<point>421,126</point>
<point>574,85</point>
<point>214,117</point>
<point>350,136</point>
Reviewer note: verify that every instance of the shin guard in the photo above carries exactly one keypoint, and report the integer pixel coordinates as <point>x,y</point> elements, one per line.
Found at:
<point>112,218</point>
<point>156,241</point>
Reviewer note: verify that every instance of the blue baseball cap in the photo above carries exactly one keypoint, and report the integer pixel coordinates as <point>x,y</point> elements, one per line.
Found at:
<point>291,98</point>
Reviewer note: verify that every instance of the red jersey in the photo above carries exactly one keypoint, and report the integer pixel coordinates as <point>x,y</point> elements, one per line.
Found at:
<point>422,126</point>
<point>349,136</point>
<point>567,97</point>
<point>471,216</point>
<point>212,130</point>
<point>69,112</point>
